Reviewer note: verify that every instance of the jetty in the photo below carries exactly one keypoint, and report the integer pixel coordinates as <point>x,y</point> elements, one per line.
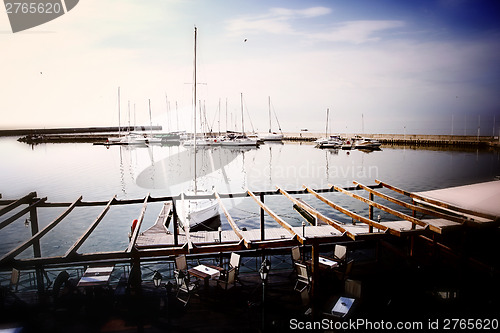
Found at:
<point>454,227</point>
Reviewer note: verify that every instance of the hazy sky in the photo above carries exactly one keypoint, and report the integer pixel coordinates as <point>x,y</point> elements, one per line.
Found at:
<point>414,64</point>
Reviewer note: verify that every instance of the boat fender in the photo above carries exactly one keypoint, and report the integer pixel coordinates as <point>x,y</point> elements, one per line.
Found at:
<point>134,224</point>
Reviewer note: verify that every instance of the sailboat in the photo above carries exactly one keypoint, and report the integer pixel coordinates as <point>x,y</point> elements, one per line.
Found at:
<point>332,141</point>
<point>271,136</point>
<point>240,139</point>
<point>195,213</point>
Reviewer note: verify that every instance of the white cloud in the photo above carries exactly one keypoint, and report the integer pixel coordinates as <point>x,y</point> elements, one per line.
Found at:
<point>357,31</point>
<point>276,21</point>
<point>281,21</point>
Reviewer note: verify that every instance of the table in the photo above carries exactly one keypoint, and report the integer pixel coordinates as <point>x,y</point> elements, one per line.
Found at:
<point>206,272</point>
<point>342,307</point>
<point>325,263</point>
<point>96,276</point>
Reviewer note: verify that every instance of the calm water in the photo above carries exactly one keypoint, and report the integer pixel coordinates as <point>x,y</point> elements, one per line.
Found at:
<point>63,172</point>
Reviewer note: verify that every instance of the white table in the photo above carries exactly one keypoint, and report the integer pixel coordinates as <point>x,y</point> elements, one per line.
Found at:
<point>96,276</point>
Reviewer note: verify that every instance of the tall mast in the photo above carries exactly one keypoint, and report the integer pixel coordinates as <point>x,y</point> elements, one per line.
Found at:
<point>119,119</point>
<point>242,122</point>
<point>194,92</point>
<point>326,129</point>
<point>129,116</point>
<point>150,119</point>
<point>269,102</point>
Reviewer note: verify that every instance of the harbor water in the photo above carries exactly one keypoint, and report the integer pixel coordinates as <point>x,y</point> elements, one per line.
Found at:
<point>64,172</point>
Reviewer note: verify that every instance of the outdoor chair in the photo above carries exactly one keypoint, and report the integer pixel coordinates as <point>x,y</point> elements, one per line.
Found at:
<point>303,278</point>
<point>185,287</point>
<point>296,257</point>
<point>344,270</point>
<point>14,279</point>
<point>181,263</point>
<point>227,280</point>
<point>234,262</point>
<point>340,253</point>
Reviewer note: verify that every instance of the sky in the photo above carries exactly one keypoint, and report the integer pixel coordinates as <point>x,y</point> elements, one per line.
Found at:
<point>378,66</point>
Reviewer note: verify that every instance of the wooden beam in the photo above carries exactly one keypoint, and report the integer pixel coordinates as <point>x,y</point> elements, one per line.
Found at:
<point>14,217</point>
<point>316,214</point>
<point>72,250</point>
<point>24,200</point>
<point>233,225</point>
<point>135,233</point>
<point>277,218</point>
<point>386,209</point>
<point>437,202</point>
<point>40,234</point>
<point>420,209</point>
<point>355,216</point>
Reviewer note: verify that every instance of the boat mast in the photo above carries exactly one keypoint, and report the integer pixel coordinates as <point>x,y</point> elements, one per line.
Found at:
<point>326,129</point>
<point>194,97</point>
<point>150,119</point>
<point>119,118</point>
<point>242,122</point>
<point>269,102</point>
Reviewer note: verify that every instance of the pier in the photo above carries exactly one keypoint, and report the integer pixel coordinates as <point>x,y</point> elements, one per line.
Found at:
<point>437,230</point>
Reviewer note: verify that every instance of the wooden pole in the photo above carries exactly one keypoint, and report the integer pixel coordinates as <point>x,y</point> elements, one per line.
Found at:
<point>37,252</point>
<point>262,220</point>
<point>176,224</point>
<point>314,275</point>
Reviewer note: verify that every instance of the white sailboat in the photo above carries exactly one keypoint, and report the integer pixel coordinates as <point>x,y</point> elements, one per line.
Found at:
<point>329,141</point>
<point>271,136</point>
<point>239,139</point>
<point>197,213</point>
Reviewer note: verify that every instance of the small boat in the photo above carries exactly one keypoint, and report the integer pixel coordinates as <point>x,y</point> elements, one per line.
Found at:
<point>366,143</point>
<point>329,141</point>
<point>347,144</point>
<point>239,140</point>
<point>271,136</point>
<point>334,141</point>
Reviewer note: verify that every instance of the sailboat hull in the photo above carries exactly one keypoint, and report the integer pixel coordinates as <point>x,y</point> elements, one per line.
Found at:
<point>196,213</point>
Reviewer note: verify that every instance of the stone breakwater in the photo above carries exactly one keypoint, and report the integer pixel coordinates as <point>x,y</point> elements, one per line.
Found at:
<point>408,139</point>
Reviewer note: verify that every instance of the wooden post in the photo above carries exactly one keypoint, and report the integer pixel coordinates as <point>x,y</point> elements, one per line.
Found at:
<point>176,224</point>
<point>314,275</point>
<point>370,211</point>
<point>37,252</point>
<point>262,224</point>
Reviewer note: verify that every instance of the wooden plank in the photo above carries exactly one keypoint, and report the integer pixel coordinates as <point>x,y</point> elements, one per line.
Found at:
<point>133,239</point>
<point>355,216</point>
<point>14,217</point>
<point>317,214</point>
<point>437,202</point>
<point>413,207</point>
<point>233,225</point>
<point>72,250</point>
<point>24,200</point>
<point>39,234</point>
<point>276,217</point>
<point>387,209</point>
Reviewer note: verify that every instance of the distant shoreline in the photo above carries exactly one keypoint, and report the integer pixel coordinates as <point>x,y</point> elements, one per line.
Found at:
<point>74,130</point>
